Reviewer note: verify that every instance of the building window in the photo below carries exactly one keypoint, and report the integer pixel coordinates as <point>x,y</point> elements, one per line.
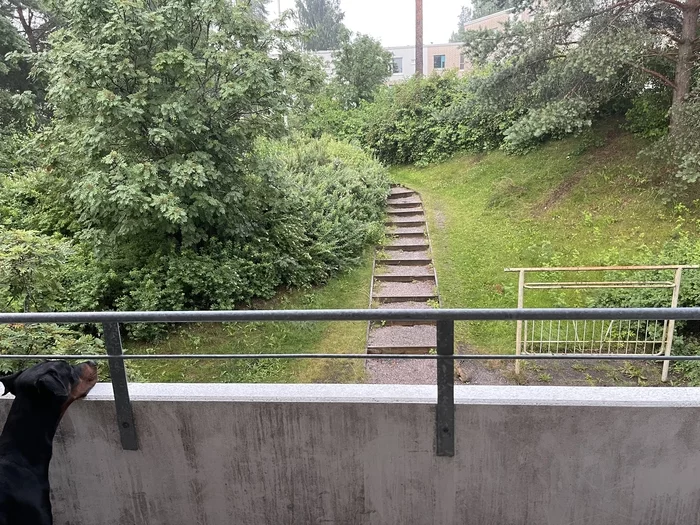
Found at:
<point>439,61</point>
<point>397,66</point>
<point>461,62</point>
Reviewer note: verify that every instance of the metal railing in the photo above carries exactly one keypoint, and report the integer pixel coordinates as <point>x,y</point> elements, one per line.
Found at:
<point>582,338</point>
<point>445,356</point>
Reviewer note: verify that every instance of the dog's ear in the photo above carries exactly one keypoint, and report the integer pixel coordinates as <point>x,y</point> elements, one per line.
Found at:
<point>53,385</point>
<point>8,383</point>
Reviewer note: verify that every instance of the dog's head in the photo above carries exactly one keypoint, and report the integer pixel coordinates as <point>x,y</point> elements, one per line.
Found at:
<point>53,381</point>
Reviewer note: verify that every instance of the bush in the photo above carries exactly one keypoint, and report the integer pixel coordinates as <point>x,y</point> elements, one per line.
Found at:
<point>648,116</point>
<point>322,204</point>
<point>421,120</point>
<point>32,339</point>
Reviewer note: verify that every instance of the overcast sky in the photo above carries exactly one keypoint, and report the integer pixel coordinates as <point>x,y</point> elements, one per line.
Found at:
<point>393,21</point>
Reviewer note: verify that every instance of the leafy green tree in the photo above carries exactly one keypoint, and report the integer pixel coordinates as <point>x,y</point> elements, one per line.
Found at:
<point>322,20</point>
<point>35,19</point>
<point>575,59</point>
<point>361,66</point>
<point>157,107</point>
<point>14,72</point>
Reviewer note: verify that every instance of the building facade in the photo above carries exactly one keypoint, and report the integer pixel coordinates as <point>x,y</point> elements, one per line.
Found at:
<point>436,57</point>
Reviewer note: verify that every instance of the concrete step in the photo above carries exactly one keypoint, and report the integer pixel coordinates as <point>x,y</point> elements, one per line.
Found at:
<point>406,258</point>
<point>410,238</point>
<point>407,243</point>
<point>405,274</point>
<point>415,291</point>
<point>408,262</point>
<point>405,247</point>
<point>406,305</point>
<point>407,222</point>
<point>399,205</point>
<point>405,201</point>
<point>405,231</point>
<point>399,193</point>
<point>419,339</point>
<point>406,212</point>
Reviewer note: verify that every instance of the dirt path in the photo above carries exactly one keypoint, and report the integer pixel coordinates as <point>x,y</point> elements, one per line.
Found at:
<point>403,277</point>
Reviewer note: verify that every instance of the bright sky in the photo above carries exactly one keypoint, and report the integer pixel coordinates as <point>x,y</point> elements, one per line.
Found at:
<point>393,21</point>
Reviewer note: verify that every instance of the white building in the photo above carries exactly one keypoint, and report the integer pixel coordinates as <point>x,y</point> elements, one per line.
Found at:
<point>436,57</point>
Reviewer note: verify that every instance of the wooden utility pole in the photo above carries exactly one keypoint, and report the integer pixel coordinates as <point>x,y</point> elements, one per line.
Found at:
<point>419,38</point>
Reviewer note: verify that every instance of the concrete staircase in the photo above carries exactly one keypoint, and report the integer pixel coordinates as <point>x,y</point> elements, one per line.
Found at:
<point>403,277</point>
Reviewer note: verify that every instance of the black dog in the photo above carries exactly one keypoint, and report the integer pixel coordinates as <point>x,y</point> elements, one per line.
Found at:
<point>42,395</point>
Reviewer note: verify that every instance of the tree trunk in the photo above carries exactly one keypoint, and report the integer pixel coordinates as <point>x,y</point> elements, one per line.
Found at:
<point>686,58</point>
<point>28,30</point>
<point>419,38</point>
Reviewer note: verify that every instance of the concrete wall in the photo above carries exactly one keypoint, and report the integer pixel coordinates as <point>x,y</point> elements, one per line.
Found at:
<point>327,454</point>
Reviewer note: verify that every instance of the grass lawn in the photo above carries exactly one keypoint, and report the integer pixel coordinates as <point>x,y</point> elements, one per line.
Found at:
<point>557,206</point>
<point>350,290</point>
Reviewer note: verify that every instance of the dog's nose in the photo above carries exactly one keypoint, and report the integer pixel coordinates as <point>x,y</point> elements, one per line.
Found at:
<point>92,364</point>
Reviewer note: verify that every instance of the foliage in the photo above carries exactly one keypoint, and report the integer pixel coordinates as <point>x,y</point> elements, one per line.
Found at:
<point>322,20</point>
<point>679,150</point>
<point>361,66</point>
<point>684,249</point>
<point>322,205</point>
<point>576,60</point>
<point>155,124</point>
<point>14,73</point>
<point>161,183</point>
<point>420,120</point>
<point>29,265</point>
<point>46,339</point>
<point>36,19</point>
<point>648,115</point>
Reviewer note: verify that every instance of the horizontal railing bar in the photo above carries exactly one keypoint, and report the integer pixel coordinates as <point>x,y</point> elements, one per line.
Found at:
<point>604,268</point>
<point>495,314</point>
<point>466,357</point>
<point>584,286</point>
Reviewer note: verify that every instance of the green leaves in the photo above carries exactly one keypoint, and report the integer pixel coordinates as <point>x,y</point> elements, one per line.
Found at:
<point>361,66</point>
<point>29,267</point>
<point>159,106</point>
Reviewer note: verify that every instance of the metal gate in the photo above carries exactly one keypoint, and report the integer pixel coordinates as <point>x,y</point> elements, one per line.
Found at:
<point>618,337</point>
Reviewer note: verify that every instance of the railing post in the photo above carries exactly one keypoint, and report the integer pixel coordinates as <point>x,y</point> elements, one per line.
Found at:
<point>445,410</point>
<point>671,322</point>
<point>519,323</point>
<point>120,386</point>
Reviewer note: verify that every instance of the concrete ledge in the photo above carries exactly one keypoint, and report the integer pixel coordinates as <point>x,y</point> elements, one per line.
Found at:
<point>365,455</point>
<point>422,394</point>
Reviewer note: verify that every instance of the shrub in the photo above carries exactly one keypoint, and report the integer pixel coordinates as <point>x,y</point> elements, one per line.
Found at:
<point>320,207</point>
<point>32,339</point>
<point>421,120</point>
<point>648,116</point>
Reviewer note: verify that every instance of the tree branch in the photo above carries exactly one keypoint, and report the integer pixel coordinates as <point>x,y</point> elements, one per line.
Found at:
<point>656,74</point>
<point>625,4</point>
<point>675,3</point>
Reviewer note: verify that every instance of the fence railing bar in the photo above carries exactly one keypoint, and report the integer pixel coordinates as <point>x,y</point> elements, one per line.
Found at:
<point>120,386</point>
<point>466,357</point>
<point>445,409</point>
<point>603,268</point>
<point>493,314</point>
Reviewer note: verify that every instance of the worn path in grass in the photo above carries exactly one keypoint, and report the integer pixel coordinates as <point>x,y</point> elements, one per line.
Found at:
<point>403,277</point>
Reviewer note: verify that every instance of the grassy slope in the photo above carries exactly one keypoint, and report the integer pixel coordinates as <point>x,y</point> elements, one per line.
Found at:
<point>555,206</point>
<point>350,290</point>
